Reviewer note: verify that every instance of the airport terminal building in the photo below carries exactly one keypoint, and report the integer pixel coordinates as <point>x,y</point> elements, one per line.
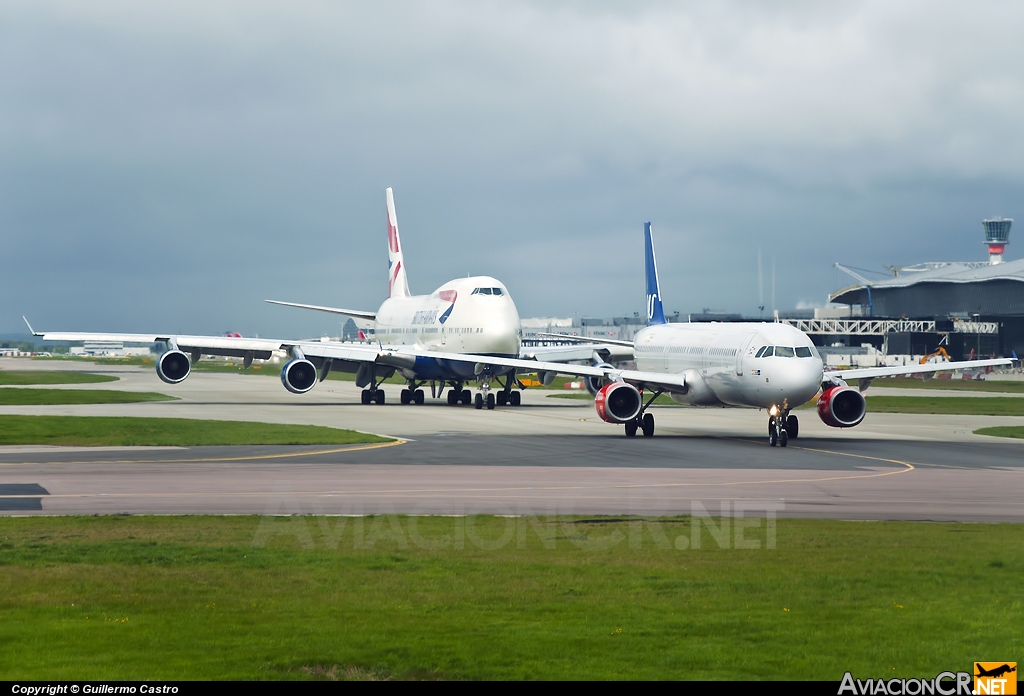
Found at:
<point>978,306</point>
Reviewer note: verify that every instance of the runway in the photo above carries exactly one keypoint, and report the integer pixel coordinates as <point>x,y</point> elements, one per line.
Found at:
<point>468,474</point>
<point>551,456</point>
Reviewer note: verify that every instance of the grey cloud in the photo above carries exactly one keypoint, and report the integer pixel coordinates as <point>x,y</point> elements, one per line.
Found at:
<point>182,161</point>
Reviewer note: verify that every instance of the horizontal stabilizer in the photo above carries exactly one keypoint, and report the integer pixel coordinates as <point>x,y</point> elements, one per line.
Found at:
<point>331,310</point>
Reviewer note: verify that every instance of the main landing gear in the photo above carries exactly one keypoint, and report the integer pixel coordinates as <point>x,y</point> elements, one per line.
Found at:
<point>644,422</point>
<point>374,394</point>
<point>457,395</point>
<point>413,395</point>
<point>506,396</point>
<point>782,427</point>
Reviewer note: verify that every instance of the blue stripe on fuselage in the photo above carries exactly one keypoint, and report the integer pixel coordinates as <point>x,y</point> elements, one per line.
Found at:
<point>454,370</point>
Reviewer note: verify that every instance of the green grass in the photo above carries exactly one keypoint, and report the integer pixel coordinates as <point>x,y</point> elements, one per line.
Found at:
<point>1014,431</point>
<point>948,405</point>
<point>46,397</point>
<point>948,384</point>
<point>91,598</point>
<point>179,432</point>
<point>20,378</point>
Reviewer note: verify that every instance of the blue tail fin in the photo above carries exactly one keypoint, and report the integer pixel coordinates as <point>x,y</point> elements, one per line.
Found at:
<point>655,313</point>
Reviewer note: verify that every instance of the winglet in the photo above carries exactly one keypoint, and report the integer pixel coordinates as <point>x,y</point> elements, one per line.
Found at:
<point>655,312</point>
<point>30,330</point>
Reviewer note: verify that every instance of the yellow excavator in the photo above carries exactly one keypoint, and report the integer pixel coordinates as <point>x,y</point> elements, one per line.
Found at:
<point>939,353</point>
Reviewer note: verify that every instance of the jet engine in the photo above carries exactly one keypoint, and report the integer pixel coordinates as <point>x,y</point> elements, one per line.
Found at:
<point>841,407</point>
<point>173,366</point>
<point>618,402</point>
<point>299,376</point>
<point>594,384</point>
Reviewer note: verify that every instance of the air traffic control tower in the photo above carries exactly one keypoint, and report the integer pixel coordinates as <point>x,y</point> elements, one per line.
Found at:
<point>997,236</point>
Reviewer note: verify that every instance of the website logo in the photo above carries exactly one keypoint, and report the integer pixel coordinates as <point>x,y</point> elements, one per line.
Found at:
<point>995,678</point>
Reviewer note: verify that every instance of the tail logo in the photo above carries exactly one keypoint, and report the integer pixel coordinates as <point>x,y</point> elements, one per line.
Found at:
<point>394,277</point>
<point>651,300</point>
<point>393,237</point>
<point>655,312</point>
<point>448,296</point>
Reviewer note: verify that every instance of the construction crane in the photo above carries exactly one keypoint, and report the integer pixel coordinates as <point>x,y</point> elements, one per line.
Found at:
<point>858,277</point>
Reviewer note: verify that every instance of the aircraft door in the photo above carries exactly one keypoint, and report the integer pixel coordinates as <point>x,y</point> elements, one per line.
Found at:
<point>741,354</point>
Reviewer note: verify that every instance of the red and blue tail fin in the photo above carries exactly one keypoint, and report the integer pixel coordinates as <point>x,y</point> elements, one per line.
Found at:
<point>655,313</point>
<point>398,284</point>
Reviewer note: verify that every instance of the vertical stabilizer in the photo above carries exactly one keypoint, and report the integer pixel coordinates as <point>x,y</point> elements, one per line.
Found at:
<point>398,285</point>
<point>655,313</point>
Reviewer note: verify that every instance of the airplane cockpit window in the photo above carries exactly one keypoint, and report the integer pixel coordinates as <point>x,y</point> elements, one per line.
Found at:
<point>803,352</point>
<point>482,291</point>
<point>767,352</point>
<point>783,352</point>
<point>495,291</point>
<point>761,350</point>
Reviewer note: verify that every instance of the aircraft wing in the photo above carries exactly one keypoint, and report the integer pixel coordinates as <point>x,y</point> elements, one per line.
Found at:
<point>591,353</point>
<point>645,380</point>
<point>584,339</point>
<point>872,372</point>
<point>356,313</point>
<point>260,348</point>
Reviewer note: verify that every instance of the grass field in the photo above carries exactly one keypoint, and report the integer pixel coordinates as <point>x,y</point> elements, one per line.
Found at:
<point>240,598</point>
<point>178,432</point>
<point>46,397</point>
<point>1007,386</point>
<point>26,377</point>
<point>948,405</point>
<point>1015,431</point>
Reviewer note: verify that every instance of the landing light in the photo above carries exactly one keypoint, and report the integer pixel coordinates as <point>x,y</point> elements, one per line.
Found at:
<point>773,411</point>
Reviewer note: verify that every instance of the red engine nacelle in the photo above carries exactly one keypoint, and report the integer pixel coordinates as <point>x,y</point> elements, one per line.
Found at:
<point>618,402</point>
<point>841,407</point>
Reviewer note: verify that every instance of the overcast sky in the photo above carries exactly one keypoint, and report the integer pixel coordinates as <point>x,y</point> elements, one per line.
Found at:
<point>168,166</point>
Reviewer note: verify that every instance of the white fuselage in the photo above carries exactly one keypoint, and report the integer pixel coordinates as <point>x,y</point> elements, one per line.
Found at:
<point>720,364</point>
<point>458,317</point>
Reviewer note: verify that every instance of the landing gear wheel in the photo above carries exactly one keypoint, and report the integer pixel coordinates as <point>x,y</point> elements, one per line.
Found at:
<point>418,397</point>
<point>478,402</point>
<point>647,425</point>
<point>453,398</point>
<point>467,397</point>
<point>515,398</point>
<point>378,397</point>
<point>365,397</point>
<point>631,427</point>
<point>502,398</point>
<point>783,438</point>
<point>771,427</point>
<point>405,397</point>
<point>773,439</point>
<point>792,427</point>
<point>490,402</point>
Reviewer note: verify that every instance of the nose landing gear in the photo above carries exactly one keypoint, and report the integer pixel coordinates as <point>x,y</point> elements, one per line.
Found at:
<point>782,428</point>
